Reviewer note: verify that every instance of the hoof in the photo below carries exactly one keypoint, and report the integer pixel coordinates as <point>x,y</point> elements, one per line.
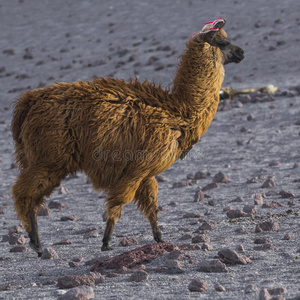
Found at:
<point>36,248</point>
<point>106,248</point>
<point>40,254</point>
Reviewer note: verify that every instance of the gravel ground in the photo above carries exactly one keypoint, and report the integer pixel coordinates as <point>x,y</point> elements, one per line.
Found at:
<point>254,145</point>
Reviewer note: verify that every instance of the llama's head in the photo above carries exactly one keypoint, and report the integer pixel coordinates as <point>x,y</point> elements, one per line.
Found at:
<point>214,34</point>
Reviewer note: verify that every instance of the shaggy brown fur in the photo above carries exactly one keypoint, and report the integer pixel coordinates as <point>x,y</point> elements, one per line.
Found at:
<point>120,134</point>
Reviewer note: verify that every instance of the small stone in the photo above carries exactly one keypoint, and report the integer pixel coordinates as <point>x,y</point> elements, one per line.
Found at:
<point>235,213</point>
<point>86,230</point>
<point>200,175</point>
<point>49,253</point>
<point>292,203</point>
<point>191,215</point>
<point>210,186</point>
<point>207,247</point>
<point>129,242</point>
<point>91,234</point>
<point>28,54</point>
<point>173,204</point>
<point>258,199</point>
<point>73,264</point>
<point>219,288</point>
<point>44,211</point>
<point>99,278</point>
<point>190,247</point>
<point>185,237</point>
<point>180,184</point>
<point>8,51</point>
<point>175,255</point>
<point>2,210</point>
<point>211,203</point>
<point>68,218</point>
<point>15,229</point>
<point>161,178</point>
<point>251,210</point>
<point>227,208</point>
<point>267,226</point>
<point>250,118</point>
<point>264,294</point>
<point>232,257</point>
<point>16,239</point>
<point>63,242</point>
<point>208,225</point>
<point>261,241</point>
<point>241,230</point>
<point>295,166</point>
<point>62,191</point>
<point>263,247</point>
<point>70,281</point>
<point>201,238</point>
<point>287,237</point>
<point>19,249</point>
<point>212,266</point>
<point>78,293</point>
<point>190,176</point>
<point>274,163</point>
<point>173,267</point>
<point>55,205</point>
<point>221,177</point>
<point>286,194</point>
<point>197,285</point>
<point>253,180</point>
<point>238,199</point>
<point>273,204</point>
<point>138,276</point>
<point>199,196</point>
<point>270,182</point>
<point>251,289</point>
<point>277,291</point>
<point>240,248</point>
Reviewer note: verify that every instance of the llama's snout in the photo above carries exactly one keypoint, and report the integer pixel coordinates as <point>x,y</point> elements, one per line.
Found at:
<point>238,55</point>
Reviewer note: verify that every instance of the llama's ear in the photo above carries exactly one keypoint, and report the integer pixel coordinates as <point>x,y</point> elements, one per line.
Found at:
<point>211,28</point>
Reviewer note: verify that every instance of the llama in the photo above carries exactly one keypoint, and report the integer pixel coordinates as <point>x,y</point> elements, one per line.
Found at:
<point>121,134</point>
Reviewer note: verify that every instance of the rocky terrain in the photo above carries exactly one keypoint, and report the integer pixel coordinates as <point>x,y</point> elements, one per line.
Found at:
<point>229,211</point>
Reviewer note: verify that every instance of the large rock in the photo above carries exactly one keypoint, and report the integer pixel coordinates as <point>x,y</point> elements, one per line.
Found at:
<point>70,281</point>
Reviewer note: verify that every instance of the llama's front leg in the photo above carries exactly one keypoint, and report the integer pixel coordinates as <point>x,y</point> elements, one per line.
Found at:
<point>147,202</point>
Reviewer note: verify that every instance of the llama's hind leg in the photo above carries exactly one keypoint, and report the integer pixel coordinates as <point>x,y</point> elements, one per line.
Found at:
<point>147,202</point>
<point>28,192</point>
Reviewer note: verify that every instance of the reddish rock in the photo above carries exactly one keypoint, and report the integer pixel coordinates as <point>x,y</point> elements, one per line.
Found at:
<point>70,281</point>
<point>212,266</point>
<point>189,247</point>
<point>198,285</point>
<point>15,229</point>
<point>221,177</point>
<point>286,194</point>
<point>78,293</point>
<point>263,247</point>
<point>191,215</point>
<point>129,242</point>
<point>134,257</point>
<point>232,257</point>
<point>199,196</point>
<point>210,186</point>
<point>270,182</point>
<point>273,204</point>
<point>68,218</point>
<point>49,253</point>
<point>16,239</point>
<point>267,226</point>
<point>219,288</point>
<point>201,238</point>
<point>258,199</point>
<point>63,242</point>
<point>235,213</point>
<point>19,249</point>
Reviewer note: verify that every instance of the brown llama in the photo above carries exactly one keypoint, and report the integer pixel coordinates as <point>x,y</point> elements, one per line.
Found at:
<point>120,134</point>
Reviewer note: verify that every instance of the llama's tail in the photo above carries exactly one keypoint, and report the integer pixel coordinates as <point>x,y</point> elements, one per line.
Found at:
<point>21,110</point>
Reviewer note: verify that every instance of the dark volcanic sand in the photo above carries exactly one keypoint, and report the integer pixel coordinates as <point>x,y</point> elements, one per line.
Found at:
<point>254,142</point>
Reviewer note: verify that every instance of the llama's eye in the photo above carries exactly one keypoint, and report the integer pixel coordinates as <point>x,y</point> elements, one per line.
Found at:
<point>223,44</point>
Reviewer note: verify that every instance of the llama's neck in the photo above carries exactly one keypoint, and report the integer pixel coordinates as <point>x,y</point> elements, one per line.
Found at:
<point>198,80</point>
